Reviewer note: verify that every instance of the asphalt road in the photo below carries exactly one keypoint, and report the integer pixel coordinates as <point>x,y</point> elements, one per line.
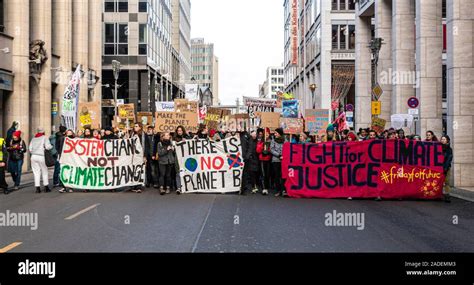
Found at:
<point>148,222</point>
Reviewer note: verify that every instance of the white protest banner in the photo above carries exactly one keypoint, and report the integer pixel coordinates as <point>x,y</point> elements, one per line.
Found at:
<point>259,105</point>
<point>165,106</point>
<point>70,100</point>
<point>191,92</point>
<point>209,166</point>
<point>102,165</point>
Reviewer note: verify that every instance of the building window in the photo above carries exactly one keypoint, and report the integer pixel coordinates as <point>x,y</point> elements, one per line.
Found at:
<point>116,39</point>
<point>343,5</point>
<point>142,39</point>
<point>2,19</point>
<point>142,6</point>
<point>112,6</point>
<point>352,36</point>
<point>343,37</point>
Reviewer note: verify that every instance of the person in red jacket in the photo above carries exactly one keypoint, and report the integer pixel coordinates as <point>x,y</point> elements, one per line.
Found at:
<point>265,159</point>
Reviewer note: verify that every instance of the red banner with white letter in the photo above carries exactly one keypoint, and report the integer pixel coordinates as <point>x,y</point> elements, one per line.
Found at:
<point>390,169</point>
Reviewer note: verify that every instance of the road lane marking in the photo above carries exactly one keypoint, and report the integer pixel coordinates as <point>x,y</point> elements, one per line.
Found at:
<point>82,212</point>
<point>196,242</point>
<point>10,247</point>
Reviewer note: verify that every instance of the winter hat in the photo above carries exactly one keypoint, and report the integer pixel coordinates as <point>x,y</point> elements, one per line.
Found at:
<point>40,130</point>
<point>280,131</point>
<point>352,136</point>
<point>17,134</point>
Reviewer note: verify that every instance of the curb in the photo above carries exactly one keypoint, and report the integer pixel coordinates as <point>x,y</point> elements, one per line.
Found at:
<point>463,194</point>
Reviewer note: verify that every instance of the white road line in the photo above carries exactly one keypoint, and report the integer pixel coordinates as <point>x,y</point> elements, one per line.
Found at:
<point>203,225</point>
<point>82,212</point>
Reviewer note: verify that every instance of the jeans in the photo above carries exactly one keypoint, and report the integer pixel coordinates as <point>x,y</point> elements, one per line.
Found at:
<point>276,167</point>
<point>15,168</point>
<point>165,175</point>
<point>151,175</point>
<point>266,173</point>
<point>57,171</point>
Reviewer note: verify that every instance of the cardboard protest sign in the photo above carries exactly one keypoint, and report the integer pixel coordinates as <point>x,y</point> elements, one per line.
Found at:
<point>214,117</point>
<point>102,165</point>
<point>236,122</point>
<point>209,166</point>
<point>165,106</point>
<point>292,126</point>
<point>169,121</point>
<point>270,120</point>
<point>291,109</point>
<point>259,105</point>
<point>184,105</point>
<point>122,123</point>
<point>378,125</point>
<point>390,169</point>
<point>126,111</point>
<point>89,115</point>
<point>317,121</point>
<point>145,118</point>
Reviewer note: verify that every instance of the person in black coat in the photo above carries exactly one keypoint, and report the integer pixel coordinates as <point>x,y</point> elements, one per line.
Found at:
<point>448,160</point>
<point>109,134</point>
<point>252,163</point>
<point>151,164</point>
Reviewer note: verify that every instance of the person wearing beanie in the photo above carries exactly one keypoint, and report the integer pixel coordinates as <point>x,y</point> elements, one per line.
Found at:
<point>330,133</point>
<point>16,150</point>
<point>352,137</point>
<point>276,149</point>
<point>109,134</point>
<point>37,147</point>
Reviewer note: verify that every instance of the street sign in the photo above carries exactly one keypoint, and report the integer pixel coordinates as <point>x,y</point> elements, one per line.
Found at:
<point>413,112</point>
<point>377,92</point>
<point>376,108</point>
<point>54,108</point>
<point>350,119</point>
<point>413,102</point>
<point>350,108</point>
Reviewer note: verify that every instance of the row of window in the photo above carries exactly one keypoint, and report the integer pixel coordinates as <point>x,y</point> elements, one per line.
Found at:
<point>343,5</point>
<point>121,6</point>
<point>277,72</point>
<point>343,37</point>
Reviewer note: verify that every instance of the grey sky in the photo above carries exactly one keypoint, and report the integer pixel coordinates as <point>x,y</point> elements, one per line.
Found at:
<point>248,37</point>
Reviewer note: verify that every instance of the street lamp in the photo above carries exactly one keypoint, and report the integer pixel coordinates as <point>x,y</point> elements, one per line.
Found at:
<point>116,66</point>
<point>312,88</point>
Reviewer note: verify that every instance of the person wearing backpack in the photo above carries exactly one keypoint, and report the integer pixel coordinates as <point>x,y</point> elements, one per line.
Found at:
<point>16,150</point>
<point>37,148</point>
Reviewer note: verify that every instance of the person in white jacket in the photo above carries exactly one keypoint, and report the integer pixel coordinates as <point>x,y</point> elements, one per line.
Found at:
<point>37,146</point>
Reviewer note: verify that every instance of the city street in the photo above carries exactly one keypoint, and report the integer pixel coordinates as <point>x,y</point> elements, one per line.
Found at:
<point>148,222</point>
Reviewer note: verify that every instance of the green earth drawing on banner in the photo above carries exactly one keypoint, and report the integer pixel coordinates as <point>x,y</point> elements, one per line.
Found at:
<point>191,164</point>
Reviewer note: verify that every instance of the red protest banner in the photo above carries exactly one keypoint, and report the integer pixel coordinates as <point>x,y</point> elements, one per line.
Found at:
<point>390,169</point>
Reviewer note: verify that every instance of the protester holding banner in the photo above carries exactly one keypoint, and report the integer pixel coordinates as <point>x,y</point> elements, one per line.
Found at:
<point>109,134</point>
<point>202,133</point>
<point>276,149</point>
<point>431,137</point>
<point>16,150</point>
<point>87,134</point>
<point>59,147</point>
<point>180,134</point>
<point>138,134</point>
<point>265,158</point>
<point>37,148</point>
<point>251,162</point>
<point>372,135</point>
<point>56,140</point>
<point>166,160</point>
<point>96,134</point>
<point>448,160</point>
<point>151,163</point>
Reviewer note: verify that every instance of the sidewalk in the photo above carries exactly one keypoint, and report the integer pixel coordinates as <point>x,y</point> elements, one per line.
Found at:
<point>466,193</point>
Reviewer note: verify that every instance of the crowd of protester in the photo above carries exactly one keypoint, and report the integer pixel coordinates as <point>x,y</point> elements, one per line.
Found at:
<point>262,153</point>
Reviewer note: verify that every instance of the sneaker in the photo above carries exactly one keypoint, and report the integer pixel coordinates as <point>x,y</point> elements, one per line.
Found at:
<point>38,190</point>
<point>162,191</point>
<point>278,194</point>
<point>16,188</point>
<point>62,190</point>
<point>168,190</point>
<point>254,191</point>
<point>265,192</point>
<point>178,192</point>
<point>70,191</point>
<point>285,194</point>
<point>349,198</point>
